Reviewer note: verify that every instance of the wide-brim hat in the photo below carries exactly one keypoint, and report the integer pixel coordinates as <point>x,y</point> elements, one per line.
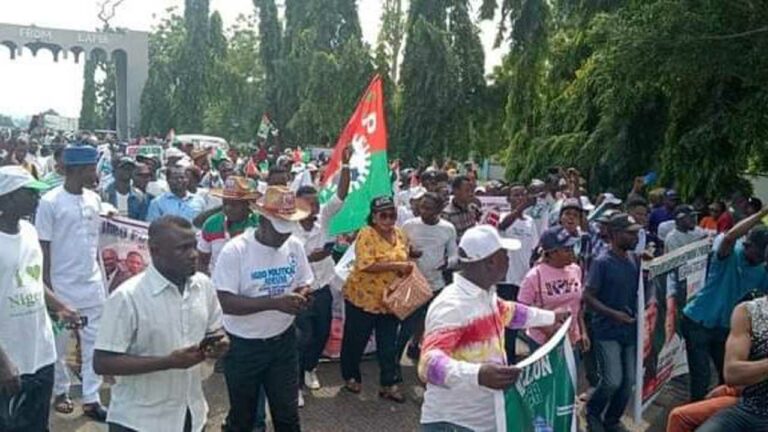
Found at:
<point>237,188</point>
<point>199,153</point>
<point>279,202</point>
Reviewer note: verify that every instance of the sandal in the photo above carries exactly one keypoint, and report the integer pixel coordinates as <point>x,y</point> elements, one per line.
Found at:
<point>353,386</point>
<point>392,393</point>
<point>95,411</point>
<point>63,404</point>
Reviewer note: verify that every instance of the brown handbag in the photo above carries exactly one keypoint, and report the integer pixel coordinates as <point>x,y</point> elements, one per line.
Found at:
<point>406,294</point>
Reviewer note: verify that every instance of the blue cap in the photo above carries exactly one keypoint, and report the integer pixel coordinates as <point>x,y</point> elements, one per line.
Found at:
<point>76,155</point>
<point>557,237</point>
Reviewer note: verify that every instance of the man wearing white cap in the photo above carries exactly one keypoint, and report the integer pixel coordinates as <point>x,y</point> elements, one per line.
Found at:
<point>467,321</point>
<point>27,348</point>
<point>263,278</point>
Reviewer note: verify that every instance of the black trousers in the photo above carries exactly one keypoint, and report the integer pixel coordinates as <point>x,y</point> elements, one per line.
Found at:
<point>270,363</point>
<point>314,327</point>
<point>29,409</point>
<point>114,427</point>
<point>701,345</point>
<point>358,326</point>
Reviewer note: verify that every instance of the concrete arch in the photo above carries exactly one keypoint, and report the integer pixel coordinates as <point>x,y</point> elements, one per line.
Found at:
<point>128,49</point>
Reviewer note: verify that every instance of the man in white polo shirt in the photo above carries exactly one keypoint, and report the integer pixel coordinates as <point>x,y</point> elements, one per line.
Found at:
<point>27,349</point>
<point>263,280</point>
<point>68,224</point>
<point>156,330</point>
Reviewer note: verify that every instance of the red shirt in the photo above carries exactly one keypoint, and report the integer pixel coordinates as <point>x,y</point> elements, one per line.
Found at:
<point>724,222</point>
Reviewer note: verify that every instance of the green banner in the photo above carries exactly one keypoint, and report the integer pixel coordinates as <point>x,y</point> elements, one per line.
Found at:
<point>543,398</point>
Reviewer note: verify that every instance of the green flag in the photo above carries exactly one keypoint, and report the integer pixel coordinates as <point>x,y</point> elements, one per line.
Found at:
<point>366,132</point>
<point>542,399</point>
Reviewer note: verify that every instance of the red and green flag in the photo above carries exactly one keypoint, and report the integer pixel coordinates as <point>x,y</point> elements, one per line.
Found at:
<point>366,132</point>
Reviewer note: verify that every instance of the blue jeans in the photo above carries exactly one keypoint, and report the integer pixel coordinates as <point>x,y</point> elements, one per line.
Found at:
<point>443,427</point>
<point>616,372</point>
<point>734,418</point>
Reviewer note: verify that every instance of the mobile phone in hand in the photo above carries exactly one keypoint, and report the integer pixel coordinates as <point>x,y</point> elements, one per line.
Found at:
<point>73,326</point>
<point>210,340</point>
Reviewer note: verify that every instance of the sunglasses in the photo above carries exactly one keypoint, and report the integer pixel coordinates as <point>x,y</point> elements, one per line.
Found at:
<point>387,215</point>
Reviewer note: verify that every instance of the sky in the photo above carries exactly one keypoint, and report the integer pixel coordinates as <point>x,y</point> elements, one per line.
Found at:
<point>30,84</point>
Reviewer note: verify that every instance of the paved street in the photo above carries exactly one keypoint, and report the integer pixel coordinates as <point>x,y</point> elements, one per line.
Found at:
<point>333,410</point>
<point>329,409</point>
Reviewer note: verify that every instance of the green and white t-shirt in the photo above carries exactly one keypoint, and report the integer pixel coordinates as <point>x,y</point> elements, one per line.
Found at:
<point>26,334</point>
<point>217,231</point>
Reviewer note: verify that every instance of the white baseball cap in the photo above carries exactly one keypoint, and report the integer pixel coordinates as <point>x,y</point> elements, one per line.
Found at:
<point>482,241</point>
<point>14,177</point>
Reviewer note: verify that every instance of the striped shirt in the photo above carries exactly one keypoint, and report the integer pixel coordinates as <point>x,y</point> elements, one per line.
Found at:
<point>464,329</point>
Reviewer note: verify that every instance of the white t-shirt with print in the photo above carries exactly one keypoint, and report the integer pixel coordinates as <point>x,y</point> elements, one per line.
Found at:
<point>248,268</point>
<point>526,231</point>
<point>25,328</point>
<point>71,224</point>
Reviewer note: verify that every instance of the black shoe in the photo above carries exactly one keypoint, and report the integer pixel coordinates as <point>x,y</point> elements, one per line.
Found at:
<point>594,424</point>
<point>95,411</point>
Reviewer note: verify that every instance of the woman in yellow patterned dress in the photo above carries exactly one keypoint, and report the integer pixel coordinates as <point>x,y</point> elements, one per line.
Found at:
<point>381,251</point>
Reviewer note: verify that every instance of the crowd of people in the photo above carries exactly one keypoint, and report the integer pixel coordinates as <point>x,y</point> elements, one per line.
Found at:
<point>243,267</point>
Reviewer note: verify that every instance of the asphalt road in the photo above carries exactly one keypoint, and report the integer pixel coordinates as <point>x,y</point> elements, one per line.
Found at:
<point>331,409</point>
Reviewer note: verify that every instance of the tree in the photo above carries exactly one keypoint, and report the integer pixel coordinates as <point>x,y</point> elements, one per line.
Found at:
<point>428,96</point>
<point>470,76</point>
<point>165,50</point>
<point>189,105</point>
<point>270,51</point>
<point>237,113</point>
<point>324,68</point>
<point>390,39</point>
<point>88,119</point>
<point>621,88</point>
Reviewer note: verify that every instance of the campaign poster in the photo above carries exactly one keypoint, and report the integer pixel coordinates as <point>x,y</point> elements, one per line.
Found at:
<point>543,398</point>
<point>123,249</point>
<point>668,283</point>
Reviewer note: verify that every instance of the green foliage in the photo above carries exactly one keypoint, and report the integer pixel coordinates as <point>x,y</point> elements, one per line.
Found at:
<point>621,88</point>
<point>165,51</point>
<point>443,84</point>
<point>428,97</point>
<point>234,109</point>
<point>98,103</point>
<point>88,118</point>
<point>270,49</point>
<point>193,64</point>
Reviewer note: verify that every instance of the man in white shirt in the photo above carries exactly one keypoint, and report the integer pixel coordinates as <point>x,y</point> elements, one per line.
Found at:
<point>263,280</point>
<point>68,225</point>
<point>519,226</point>
<point>314,324</point>
<point>433,241</point>
<point>27,347</point>
<point>463,361</point>
<point>156,330</point>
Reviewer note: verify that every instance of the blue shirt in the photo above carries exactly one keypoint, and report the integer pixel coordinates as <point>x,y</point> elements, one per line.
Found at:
<point>614,281</point>
<point>169,204</point>
<point>729,280</point>
<point>138,202</point>
<point>659,215</point>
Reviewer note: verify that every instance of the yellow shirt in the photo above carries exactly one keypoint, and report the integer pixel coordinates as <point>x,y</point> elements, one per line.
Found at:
<point>366,290</point>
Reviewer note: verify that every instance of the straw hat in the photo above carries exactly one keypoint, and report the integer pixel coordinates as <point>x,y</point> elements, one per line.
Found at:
<point>237,188</point>
<point>279,202</point>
